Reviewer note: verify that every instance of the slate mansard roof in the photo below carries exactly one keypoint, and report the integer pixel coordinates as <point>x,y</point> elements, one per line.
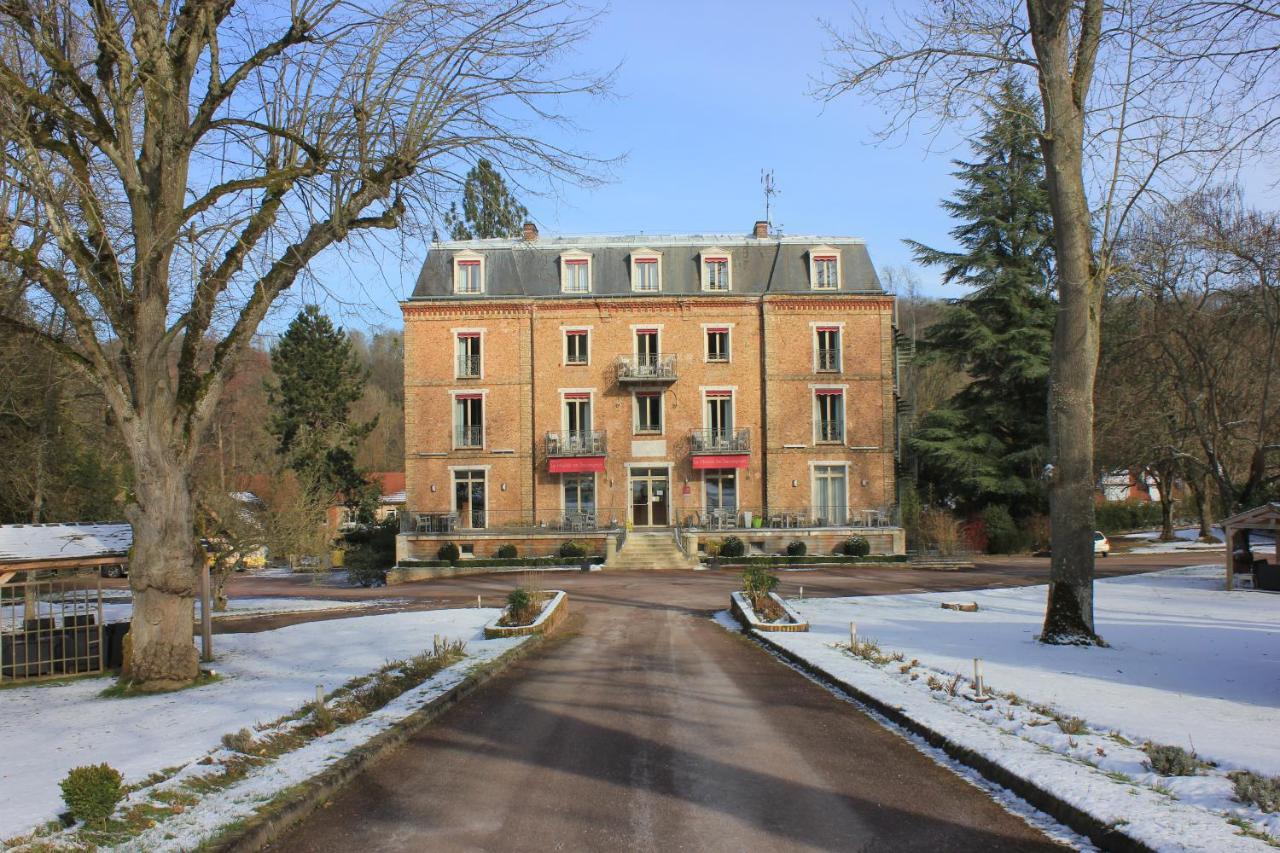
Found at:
<point>524,268</point>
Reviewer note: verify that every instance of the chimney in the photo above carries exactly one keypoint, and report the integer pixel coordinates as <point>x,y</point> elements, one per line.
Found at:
<point>761,229</point>
<point>530,232</point>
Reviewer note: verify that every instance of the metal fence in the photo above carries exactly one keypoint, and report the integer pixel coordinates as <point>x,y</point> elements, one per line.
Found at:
<point>650,366</point>
<point>51,626</point>
<point>613,519</point>
<point>577,443</point>
<point>720,441</point>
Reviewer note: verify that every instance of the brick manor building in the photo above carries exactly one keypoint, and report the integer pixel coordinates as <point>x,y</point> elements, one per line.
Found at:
<point>577,386</point>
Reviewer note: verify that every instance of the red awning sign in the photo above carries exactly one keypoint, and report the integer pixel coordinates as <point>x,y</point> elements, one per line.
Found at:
<point>575,465</point>
<point>728,460</point>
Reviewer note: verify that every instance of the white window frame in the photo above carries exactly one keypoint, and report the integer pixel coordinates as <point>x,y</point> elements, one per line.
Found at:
<point>813,480</point>
<point>457,334</point>
<point>466,258</point>
<point>564,349</point>
<point>635,338</point>
<point>635,412</point>
<point>564,409</point>
<point>706,392</point>
<point>453,490</point>
<point>646,258</point>
<point>484,417</point>
<point>813,333</point>
<point>714,253</point>
<point>706,342</point>
<point>817,414</point>
<point>595,490</point>
<point>574,259</point>
<point>825,252</point>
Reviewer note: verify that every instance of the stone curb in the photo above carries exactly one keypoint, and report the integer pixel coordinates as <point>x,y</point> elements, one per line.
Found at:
<point>551,616</point>
<point>1105,836</point>
<point>267,827</point>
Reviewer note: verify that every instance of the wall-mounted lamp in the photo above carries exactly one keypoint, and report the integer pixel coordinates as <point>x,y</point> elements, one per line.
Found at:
<point>504,486</point>
<point>795,483</point>
<point>865,482</point>
<point>433,487</point>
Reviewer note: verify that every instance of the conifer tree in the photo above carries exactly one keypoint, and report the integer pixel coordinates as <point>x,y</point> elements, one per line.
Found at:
<point>489,209</point>
<point>989,443</point>
<point>319,376</point>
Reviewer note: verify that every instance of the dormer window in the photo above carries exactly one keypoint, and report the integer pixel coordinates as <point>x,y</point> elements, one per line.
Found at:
<point>716,270</point>
<point>824,268</point>
<point>646,271</point>
<point>468,272</point>
<point>575,272</point>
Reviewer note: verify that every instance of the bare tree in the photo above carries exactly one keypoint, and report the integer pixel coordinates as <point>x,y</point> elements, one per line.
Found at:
<point>1130,95</point>
<point>208,153</point>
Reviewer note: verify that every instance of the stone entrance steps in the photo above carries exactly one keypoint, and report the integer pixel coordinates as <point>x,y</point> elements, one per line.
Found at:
<point>644,551</point>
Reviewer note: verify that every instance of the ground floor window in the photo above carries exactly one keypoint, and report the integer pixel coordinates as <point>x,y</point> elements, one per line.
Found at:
<point>722,489</point>
<point>579,494</point>
<point>830,502</point>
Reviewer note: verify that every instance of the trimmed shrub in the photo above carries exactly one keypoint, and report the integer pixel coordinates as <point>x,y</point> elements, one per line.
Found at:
<point>855,546</point>
<point>494,561</point>
<point>1119,516</point>
<point>92,792</point>
<point>1255,790</point>
<point>757,582</point>
<point>572,550</point>
<point>449,552</point>
<point>796,548</point>
<point>1003,536</point>
<point>732,547</point>
<point>507,551</point>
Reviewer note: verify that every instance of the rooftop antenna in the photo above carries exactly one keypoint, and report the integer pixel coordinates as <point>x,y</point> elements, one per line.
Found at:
<point>770,190</point>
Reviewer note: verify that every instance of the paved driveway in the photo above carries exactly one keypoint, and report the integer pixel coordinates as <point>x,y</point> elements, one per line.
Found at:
<point>646,726</point>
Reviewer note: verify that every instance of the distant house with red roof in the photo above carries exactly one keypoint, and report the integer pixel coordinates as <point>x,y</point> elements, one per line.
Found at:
<point>341,518</point>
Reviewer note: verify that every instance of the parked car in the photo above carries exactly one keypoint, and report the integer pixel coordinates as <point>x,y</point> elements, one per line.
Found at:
<point>115,570</point>
<point>1101,544</point>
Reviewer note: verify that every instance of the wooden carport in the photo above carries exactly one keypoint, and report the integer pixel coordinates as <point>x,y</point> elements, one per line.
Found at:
<point>1265,517</point>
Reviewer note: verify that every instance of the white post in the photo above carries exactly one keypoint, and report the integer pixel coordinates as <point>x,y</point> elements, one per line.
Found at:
<point>477,602</point>
<point>853,636</point>
<point>802,593</point>
<point>206,613</point>
<point>979,691</point>
<point>319,696</point>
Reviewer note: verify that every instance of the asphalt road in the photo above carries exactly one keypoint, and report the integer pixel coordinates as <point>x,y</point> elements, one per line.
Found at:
<point>647,727</point>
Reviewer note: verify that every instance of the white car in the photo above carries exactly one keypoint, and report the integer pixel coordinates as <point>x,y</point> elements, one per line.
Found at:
<point>1101,544</point>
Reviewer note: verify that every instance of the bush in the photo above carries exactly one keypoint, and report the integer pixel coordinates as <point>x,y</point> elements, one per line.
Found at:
<point>855,546</point>
<point>1172,760</point>
<point>796,549</point>
<point>1255,790</point>
<point>507,551</point>
<point>1035,532</point>
<point>1003,536</point>
<point>572,550</point>
<point>940,530</point>
<point>757,582</point>
<point>449,551</point>
<point>733,547</point>
<point>1119,516</point>
<point>712,547</point>
<point>92,792</point>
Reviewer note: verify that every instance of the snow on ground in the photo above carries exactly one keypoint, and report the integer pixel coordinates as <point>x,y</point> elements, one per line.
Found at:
<point>1190,664</point>
<point>119,608</point>
<point>1188,539</point>
<point>265,675</point>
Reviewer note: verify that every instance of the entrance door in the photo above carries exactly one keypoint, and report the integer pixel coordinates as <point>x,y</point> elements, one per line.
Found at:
<point>469,498</point>
<point>650,497</point>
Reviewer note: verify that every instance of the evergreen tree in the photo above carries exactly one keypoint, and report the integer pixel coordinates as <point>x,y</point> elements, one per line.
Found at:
<point>489,209</point>
<point>989,442</point>
<point>319,377</point>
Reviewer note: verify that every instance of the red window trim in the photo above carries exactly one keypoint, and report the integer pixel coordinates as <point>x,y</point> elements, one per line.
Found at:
<point>468,263</point>
<point>468,396</point>
<point>571,332</point>
<point>578,395</point>
<point>826,258</point>
<point>646,260</point>
<point>575,262</point>
<point>828,329</point>
<point>715,260</point>
<point>646,331</point>
<point>829,392</point>
<point>468,334</point>
<point>717,330</point>
<point>648,393</point>
<point>719,394</point>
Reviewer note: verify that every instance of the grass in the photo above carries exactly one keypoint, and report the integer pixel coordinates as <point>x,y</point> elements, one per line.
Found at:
<point>1254,790</point>
<point>1247,829</point>
<point>130,689</point>
<point>1172,760</point>
<point>1072,725</point>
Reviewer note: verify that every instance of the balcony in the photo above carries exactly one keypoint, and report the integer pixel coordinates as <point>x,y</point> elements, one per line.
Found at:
<point>468,367</point>
<point>719,441</point>
<point>649,368</point>
<point>828,361</point>
<point>831,432</point>
<point>576,443</point>
<point>468,436</point>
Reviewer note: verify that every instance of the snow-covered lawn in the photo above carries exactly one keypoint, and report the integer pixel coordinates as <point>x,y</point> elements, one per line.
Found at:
<point>1189,665</point>
<point>47,730</point>
<point>1188,539</point>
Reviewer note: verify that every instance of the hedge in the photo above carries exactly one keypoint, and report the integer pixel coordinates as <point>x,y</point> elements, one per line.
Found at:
<point>809,559</point>
<point>495,561</point>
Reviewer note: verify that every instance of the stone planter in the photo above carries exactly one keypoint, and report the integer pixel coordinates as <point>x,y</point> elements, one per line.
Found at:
<point>553,612</point>
<point>740,607</point>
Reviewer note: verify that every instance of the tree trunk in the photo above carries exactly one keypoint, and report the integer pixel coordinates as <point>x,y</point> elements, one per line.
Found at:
<point>1200,494</point>
<point>1063,88</point>
<point>163,569</point>
<point>1166,517</point>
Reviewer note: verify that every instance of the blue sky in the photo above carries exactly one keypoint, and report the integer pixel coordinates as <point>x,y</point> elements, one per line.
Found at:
<point>708,94</point>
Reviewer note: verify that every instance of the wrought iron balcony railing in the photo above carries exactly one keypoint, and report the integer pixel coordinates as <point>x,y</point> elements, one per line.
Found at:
<point>720,441</point>
<point>468,436</point>
<point>468,366</point>
<point>830,431</point>
<point>576,443</point>
<point>829,361</point>
<point>652,367</point>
